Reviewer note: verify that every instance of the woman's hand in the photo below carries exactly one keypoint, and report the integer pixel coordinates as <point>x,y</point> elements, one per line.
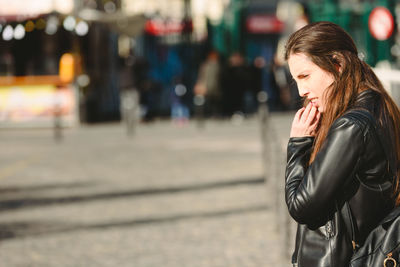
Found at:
<point>305,121</point>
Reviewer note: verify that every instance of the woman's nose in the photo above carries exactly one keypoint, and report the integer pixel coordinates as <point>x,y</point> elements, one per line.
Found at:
<point>302,91</point>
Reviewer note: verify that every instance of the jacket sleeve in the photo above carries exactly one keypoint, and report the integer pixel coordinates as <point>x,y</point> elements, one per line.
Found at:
<point>310,190</point>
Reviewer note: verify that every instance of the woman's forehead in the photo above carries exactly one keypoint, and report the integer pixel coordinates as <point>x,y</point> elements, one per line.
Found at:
<point>299,62</point>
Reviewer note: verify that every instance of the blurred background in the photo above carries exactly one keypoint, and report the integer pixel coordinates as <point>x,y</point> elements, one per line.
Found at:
<point>153,132</point>
<point>168,54</point>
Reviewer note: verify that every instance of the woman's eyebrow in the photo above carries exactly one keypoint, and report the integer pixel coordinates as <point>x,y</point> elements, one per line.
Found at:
<point>302,74</point>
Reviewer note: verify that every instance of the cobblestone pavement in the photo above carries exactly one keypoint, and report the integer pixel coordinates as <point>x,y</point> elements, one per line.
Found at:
<point>170,196</point>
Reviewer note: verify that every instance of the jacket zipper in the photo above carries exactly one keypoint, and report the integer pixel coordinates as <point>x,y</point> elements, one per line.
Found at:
<point>329,230</point>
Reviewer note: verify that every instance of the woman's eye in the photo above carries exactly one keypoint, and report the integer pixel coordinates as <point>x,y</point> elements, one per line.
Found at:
<point>303,76</point>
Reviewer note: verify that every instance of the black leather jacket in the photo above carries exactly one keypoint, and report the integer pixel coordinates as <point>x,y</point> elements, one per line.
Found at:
<point>352,167</point>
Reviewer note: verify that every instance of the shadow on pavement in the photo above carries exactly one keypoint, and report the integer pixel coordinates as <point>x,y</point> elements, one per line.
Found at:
<point>13,230</point>
<point>29,202</point>
<point>33,188</point>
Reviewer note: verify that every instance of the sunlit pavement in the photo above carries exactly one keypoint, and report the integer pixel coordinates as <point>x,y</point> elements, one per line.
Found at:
<point>171,195</point>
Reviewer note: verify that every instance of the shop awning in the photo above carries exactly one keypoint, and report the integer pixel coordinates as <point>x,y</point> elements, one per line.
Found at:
<point>128,24</point>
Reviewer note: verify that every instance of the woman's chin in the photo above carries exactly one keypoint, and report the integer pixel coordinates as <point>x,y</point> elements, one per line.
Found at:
<point>318,107</point>
<point>315,105</point>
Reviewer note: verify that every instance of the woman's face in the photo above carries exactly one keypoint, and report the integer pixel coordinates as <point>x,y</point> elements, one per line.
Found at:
<point>312,81</point>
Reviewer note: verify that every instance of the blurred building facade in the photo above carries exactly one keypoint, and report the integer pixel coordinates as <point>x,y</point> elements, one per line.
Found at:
<point>37,66</point>
<point>354,16</point>
<point>154,45</point>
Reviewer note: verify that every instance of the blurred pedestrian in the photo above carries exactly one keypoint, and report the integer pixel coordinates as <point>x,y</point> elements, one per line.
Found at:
<point>344,147</point>
<point>235,81</point>
<point>145,87</point>
<point>129,96</point>
<point>281,79</point>
<point>208,85</point>
<point>179,109</point>
<point>257,72</point>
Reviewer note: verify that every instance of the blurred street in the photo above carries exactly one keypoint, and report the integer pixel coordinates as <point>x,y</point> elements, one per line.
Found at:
<point>169,196</point>
<point>102,189</point>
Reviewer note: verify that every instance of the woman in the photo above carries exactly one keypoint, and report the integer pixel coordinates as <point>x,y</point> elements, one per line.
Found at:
<point>344,147</point>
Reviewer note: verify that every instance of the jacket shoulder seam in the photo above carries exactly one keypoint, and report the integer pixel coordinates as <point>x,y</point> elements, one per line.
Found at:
<point>362,123</point>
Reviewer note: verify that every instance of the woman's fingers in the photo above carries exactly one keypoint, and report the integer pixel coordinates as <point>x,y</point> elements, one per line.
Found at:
<point>305,122</point>
<point>311,116</point>
<point>298,114</point>
<point>314,123</point>
<point>317,117</point>
<point>306,112</point>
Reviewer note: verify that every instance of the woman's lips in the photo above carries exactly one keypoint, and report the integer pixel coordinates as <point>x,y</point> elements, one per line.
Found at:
<point>314,102</point>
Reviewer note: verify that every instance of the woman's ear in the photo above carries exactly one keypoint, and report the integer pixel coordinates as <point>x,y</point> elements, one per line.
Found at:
<point>338,67</point>
<point>338,61</point>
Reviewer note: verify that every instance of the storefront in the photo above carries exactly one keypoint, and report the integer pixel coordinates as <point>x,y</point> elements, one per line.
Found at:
<point>37,72</point>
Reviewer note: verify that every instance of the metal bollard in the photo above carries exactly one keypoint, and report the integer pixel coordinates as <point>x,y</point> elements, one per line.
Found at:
<point>130,110</point>
<point>199,105</point>
<point>273,162</point>
<point>285,220</point>
<point>263,115</point>
<point>57,123</point>
<point>270,154</point>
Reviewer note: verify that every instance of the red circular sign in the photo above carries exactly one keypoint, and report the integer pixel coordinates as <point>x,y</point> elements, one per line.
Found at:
<point>381,23</point>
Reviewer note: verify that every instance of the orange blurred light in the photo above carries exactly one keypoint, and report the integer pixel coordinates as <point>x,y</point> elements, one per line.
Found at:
<point>29,26</point>
<point>40,24</point>
<point>67,71</point>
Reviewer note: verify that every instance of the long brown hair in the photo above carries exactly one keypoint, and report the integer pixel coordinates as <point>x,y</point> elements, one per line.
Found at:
<point>333,50</point>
